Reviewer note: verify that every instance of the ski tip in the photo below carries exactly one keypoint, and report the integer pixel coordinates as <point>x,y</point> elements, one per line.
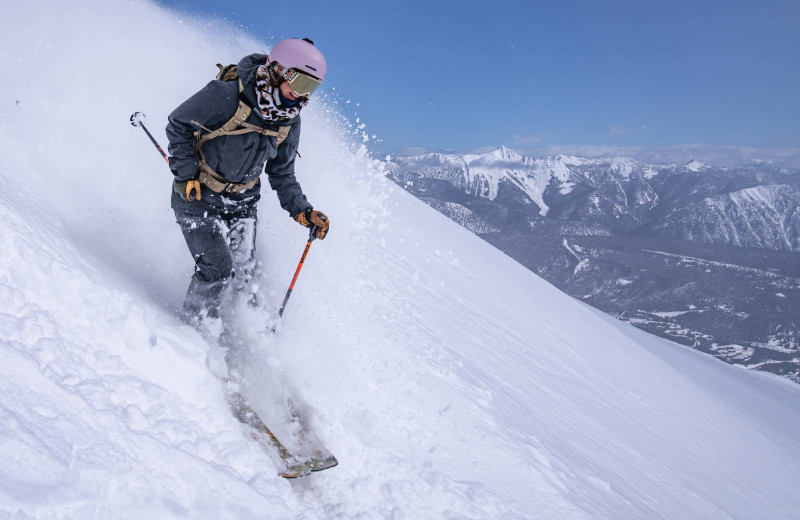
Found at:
<point>326,463</point>
<point>306,468</point>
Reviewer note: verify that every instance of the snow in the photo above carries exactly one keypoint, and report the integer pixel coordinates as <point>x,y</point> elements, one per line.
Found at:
<point>695,166</point>
<point>482,174</point>
<point>761,208</point>
<point>669,314</point>
<point>450,381</point>
<point>764,195</point>
<point>622,166</point>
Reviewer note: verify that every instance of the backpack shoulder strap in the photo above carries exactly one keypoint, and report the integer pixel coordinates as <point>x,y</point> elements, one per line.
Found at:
<point>279,134</point>
<point>236,125</point>
<point>235,122</point>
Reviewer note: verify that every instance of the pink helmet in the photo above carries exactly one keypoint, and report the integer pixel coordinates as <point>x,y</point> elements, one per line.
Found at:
<point>301,55</point>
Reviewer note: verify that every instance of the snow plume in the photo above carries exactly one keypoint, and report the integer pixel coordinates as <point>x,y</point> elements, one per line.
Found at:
<point>449,380</point>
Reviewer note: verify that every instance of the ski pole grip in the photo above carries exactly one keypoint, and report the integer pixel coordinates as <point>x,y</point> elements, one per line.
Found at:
<point>138,118</point>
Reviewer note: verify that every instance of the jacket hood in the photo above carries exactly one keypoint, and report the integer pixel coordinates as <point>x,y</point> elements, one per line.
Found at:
<point>247,72</point>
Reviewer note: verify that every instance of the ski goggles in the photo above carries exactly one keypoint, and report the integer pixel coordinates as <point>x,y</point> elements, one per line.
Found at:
<point>301,83</point>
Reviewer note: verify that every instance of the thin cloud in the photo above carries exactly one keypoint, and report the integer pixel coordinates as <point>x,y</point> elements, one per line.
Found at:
<point>413,150</point>
<point>528,139</point>
<point>618,130</point>
<point>719,155</point>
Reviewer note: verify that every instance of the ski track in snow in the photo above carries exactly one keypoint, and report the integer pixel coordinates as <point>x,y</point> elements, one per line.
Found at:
<point>449,381</point>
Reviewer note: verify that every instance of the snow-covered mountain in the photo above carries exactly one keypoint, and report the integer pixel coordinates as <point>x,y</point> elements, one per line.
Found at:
<point>482,174</point>
<point>765,216</point>
<point>706,256</point>
<point>694,201</point>
<point>450,381</point>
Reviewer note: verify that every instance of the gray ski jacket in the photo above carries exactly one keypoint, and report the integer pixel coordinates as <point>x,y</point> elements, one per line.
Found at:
<point>238,158</point>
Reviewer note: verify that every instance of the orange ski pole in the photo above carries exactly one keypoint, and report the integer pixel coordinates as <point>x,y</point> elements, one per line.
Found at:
<point>311,236</point>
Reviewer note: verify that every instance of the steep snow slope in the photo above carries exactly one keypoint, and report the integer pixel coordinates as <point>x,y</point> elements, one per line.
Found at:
<point>449,381</point>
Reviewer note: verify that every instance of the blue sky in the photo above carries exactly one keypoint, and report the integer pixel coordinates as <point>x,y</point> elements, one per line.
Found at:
<point>586,77</point>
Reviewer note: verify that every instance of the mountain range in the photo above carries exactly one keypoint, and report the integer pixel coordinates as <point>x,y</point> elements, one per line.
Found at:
<point>706,256</point>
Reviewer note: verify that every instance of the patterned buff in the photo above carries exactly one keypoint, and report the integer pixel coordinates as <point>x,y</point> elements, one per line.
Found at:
<point>269,101</point>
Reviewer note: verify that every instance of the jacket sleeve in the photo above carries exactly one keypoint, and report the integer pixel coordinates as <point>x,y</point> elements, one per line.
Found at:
<point>210,107</point>
<point>280,171</point>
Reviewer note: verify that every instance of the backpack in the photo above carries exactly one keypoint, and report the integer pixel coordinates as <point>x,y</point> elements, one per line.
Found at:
<point>236,125</point>
<point>227,72</point>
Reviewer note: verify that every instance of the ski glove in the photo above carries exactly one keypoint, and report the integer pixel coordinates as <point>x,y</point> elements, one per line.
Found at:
<point>185,189</point>
<point>312,217</point>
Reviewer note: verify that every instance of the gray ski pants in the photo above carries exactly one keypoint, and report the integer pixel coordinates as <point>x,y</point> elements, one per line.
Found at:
<point>223,246</point>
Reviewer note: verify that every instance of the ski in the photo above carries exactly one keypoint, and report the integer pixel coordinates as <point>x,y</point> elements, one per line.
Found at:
<point>311,447</point>
<point>321,460</point>
<point>293,466</point>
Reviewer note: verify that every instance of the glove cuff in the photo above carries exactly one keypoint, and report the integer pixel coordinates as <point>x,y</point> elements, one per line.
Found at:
<point>303,218</point>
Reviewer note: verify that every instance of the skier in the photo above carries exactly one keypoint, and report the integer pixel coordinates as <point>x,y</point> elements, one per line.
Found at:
<point>220,141</point>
